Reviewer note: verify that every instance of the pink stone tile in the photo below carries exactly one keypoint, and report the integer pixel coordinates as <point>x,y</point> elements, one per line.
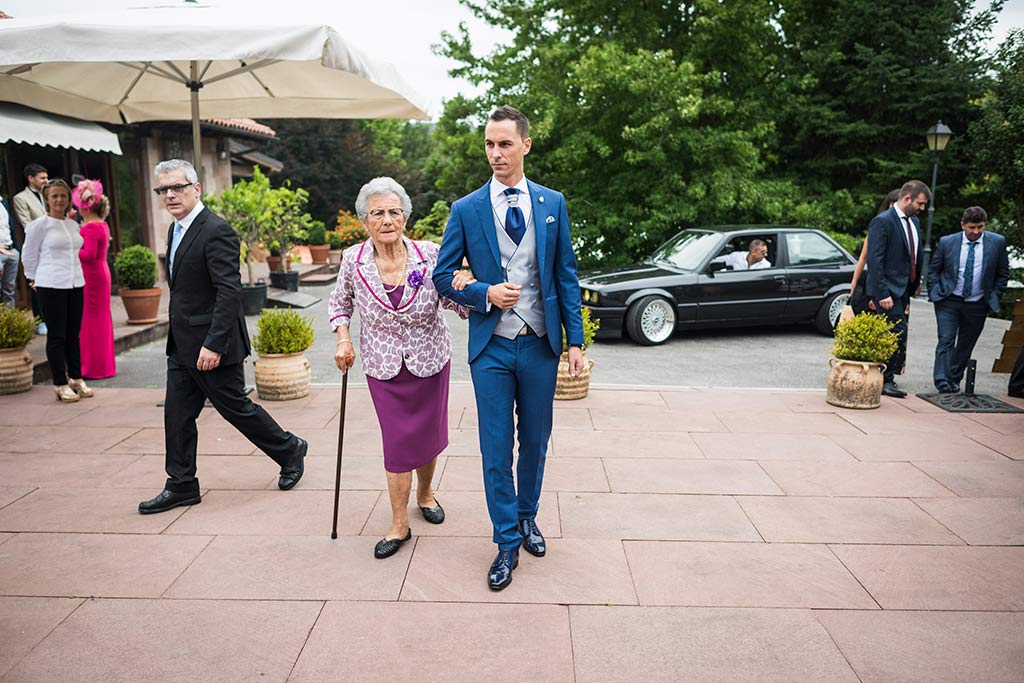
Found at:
<point>785,423</point>
<point>879,479</point>
<point>980,521</point>
<point>111,565</point>
<point>738,477</point>
<point>700,400</point>
<point>870,422</point>
<point>9,494</point>
<point>463,442</point>
<point>292,568</point>
<point>465,514</point>
<point>359,442</point>
<point>87,510</point>
<point>455,570</point>
<point>757,446</point>
<point>742,575</point>
<point>26,621</point>
<point>843,520</point>
<point>276,513</point>
<point>654,516</point>
<point>623,444</point>
<point>979,479</point>
<point>165,640</point>
<point>64,440</point>
<point>560,474</point>
<point>357,473</point>
<point>466,652</point>
<point>117,416</point>
<point>291,418</point>
<point>47,414</point>
<point>929,646</point>
<point>6,537</point>
<point>565,418</point>
<point>60,469</point>
<point>213,440</point>
<point>1010,445</point>
<point>213,471</point>
<point>1006,423</point>
<point>938,578</point>
<point>916,447</point>
<point>609,419</point>
<point>615,398</point>
<point>702,644</point>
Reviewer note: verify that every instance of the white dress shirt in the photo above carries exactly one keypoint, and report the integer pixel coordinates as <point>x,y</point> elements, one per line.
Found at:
<point>50,254</point>
<point>976,288</point>
<point>738,261</point>
<point>499,200</point>
<point>5,227</point>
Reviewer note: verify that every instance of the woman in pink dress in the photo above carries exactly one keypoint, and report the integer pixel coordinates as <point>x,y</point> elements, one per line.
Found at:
<point>97,336</point>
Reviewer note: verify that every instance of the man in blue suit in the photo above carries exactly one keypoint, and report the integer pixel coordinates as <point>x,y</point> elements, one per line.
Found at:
<point>966,277</point>
<point>895,262</point>
<point>515,234</point>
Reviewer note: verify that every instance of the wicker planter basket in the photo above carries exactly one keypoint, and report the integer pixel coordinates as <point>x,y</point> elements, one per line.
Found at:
<point>569,388</point>
<point>282,376</point>
<point>15,371</point>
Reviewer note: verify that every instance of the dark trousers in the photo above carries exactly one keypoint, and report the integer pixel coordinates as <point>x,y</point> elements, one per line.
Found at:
<point>64,322</point>
<point>1016,386</point>
<point>959,324</point>
<point>897,314</point>
<point>187,390</point>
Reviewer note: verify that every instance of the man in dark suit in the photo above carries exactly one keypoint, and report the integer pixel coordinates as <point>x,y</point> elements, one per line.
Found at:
<point>895,262</point>
<point>207,342</point>
<point>1016,385</point>
<point>966,277</point>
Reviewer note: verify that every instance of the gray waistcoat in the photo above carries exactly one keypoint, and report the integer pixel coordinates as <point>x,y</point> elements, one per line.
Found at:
<point>520,267</point>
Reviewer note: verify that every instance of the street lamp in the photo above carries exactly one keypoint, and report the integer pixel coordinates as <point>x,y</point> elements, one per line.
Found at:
<point>938,137</point>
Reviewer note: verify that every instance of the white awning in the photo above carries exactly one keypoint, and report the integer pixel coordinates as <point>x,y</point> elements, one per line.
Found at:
<point>33,127</point>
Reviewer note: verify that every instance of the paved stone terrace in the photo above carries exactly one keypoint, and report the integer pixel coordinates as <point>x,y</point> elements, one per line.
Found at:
<point>693,535</point>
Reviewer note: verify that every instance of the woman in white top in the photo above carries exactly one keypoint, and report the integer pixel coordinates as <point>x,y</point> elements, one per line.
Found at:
<point>50,257</point>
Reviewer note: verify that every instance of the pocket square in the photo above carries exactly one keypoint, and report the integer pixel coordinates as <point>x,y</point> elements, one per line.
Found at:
<point>549,219</point>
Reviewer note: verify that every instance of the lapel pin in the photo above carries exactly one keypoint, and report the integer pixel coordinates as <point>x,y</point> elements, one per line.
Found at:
<point>540,199</point>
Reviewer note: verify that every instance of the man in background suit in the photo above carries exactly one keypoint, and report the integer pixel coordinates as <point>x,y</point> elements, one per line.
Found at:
<point>515,234</point>
<point>29,205</point>
<point>966,278</point>
<point>207,342</point>
<point>895,262</point>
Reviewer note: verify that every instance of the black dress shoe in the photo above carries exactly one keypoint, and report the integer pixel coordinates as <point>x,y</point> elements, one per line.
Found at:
<point>948,389</point>
<point>500,573</point>
<point>168,500</point>
<point>533,540</point>
<point>291,474</point>
<point>434,515</point>
<point>890,389</point>
<point>386,547</point>
<point>1015,394</point>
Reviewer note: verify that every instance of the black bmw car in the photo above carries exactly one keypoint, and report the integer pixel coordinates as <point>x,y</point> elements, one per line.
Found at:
<point>698,279</point>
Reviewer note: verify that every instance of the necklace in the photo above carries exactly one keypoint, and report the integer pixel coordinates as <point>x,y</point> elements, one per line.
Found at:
<point>389,289</point>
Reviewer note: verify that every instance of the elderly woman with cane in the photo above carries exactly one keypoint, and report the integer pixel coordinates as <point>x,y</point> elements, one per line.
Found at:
<point>405,345</point>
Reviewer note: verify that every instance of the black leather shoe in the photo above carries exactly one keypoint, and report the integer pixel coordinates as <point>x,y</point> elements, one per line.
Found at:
<point>434,515</point>
<point>948,389</point>
<point>386,547</point>
<point>168,500</point>
<point>890,389</point>
<point>291,474</point>
<point>533,540</point>
<point>500,574</point>
<point>1015,394</point>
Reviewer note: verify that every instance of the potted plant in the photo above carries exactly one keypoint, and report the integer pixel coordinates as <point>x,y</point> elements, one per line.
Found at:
<point>282,369</point>
<point>136,274</point>
<point>275,261</point>
<point>567,387</point>
<point>16,330</point>
<point>337,246</point>
<point>351,229</point>
<point>316,238</point>
<point>862,346</point>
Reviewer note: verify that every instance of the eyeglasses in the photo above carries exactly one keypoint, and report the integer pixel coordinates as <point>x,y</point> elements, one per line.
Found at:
<point>378,214</point>
<point>176,189</point>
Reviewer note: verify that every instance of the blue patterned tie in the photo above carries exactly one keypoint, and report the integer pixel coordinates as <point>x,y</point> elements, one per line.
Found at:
<point>969,270</point>
<point>175,241</point>
<point>515,224</point>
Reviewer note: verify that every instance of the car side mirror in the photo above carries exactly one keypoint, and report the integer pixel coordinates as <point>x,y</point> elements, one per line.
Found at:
<point>716,266</point>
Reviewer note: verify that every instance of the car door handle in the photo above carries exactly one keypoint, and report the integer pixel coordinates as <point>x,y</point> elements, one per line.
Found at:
<point>778,277</point>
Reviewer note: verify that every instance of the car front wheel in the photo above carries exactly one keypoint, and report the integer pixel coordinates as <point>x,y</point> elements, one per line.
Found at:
<point>828,315</point>
<point>650,321</point>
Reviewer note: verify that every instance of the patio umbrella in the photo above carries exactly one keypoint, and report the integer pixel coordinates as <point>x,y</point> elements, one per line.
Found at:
<point>160,64</point>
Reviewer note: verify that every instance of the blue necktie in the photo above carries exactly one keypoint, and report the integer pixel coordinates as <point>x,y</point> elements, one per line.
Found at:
<point>175,241</point>
<point>969,270</point>
<point>515,224</point>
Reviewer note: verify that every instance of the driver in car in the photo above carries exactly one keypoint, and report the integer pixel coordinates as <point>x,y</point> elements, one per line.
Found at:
<point>755,259</point>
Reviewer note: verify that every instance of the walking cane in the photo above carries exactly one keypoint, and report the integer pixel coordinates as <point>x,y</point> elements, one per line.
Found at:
<point>341,443</point>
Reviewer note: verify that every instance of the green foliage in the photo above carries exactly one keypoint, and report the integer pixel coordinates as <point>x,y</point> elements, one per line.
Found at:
<point>316,233</point>
<point>350,229</point>
<point>246,206</point>
<point>335,240</point>
<point>868,338</point>
<point>431,227</point>
<point>280,330</point>
<point>590,328</point>
<point>16,327</point>
<point>136,267</point>
<point>850,243</point>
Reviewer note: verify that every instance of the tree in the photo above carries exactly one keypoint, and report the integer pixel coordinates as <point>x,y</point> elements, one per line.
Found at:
<point>246,206</point>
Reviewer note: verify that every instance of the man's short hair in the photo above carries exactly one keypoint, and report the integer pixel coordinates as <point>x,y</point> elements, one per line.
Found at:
<point>914,189</point>
<point>185,167</point>
<point>507,113</point>
<point>33,169</point>
<point>756,243</point>
<point>974,214</point>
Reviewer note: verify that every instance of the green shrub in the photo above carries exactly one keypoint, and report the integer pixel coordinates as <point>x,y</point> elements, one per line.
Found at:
<point>280,330</point>
<point>868,338</point>
<point>274,248</point>
<point>590,328</point>
<point>350,228</point>
<point>848,242</point>
<point>16,327</point>
<point>335,240</point>
<point>136,267</point>
<point>316,233</point>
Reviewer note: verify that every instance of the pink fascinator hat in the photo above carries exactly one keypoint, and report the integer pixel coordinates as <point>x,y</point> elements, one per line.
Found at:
<point>87,194</point>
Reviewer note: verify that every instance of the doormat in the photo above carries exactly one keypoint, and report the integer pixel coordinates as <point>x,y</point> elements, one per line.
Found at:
<point>970,403</point>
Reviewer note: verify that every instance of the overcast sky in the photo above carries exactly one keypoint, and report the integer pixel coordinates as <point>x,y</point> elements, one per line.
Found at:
<point>401,31</point>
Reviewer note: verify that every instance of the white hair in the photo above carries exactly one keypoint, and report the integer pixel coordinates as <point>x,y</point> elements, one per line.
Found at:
<point>178,165</point>
<point>382,185</point>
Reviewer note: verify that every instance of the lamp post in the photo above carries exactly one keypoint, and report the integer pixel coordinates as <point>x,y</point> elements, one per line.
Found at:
<point>938,137</point>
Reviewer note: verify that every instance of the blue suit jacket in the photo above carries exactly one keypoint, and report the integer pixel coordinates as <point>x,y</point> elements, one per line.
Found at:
<point>471,234</point>
<point>945,266</point>
<point>889,257</point>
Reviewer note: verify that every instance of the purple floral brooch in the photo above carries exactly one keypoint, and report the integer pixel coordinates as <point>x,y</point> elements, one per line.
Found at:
<point>416,278</point>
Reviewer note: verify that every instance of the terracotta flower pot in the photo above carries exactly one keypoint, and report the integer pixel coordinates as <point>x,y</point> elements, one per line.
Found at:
<point>282,376</point>
<point>142,305</point>
<point>15,371</point>
<point>334,256</point>
<point>569,388</point>
<point>855,384</point>
<point>318,252</point>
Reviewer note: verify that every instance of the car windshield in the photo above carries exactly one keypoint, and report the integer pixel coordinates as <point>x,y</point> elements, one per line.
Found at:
<point>688,249</point>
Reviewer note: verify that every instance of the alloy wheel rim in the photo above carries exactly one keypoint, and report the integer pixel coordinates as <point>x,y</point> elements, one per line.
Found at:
<point>836,308</point>
<point>658,320</point>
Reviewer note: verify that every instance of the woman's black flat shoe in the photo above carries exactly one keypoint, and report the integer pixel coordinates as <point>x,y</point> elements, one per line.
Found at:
<point>387,547</point>
<point>434,515</point>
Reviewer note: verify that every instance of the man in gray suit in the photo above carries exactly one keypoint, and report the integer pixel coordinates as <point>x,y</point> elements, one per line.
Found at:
<point>29,205</point>
<point>966,277</point>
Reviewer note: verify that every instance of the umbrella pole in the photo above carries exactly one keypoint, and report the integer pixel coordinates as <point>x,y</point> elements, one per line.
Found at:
<point>197,147</point>
<point>341,443</point>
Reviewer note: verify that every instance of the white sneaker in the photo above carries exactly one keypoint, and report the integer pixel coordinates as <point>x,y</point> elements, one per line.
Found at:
<point>41,329</point>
